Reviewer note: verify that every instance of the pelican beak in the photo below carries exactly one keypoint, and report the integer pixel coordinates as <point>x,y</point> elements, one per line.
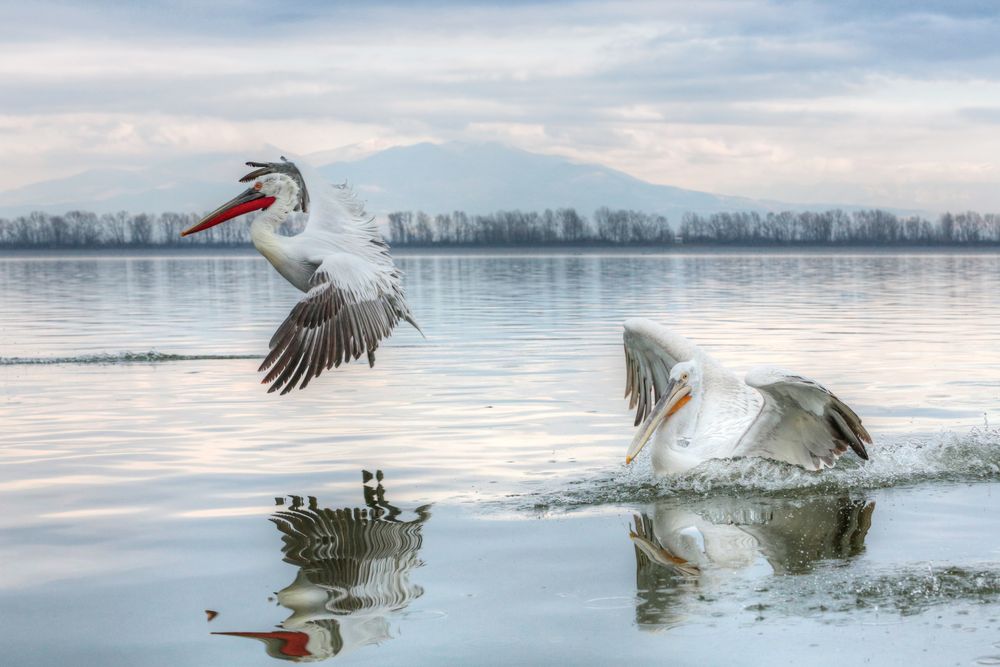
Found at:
<point>250,200</point>
<point>282,642</point>
<point>672,400</point>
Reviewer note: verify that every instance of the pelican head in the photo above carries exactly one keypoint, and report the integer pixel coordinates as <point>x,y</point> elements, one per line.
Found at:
<point>261,195</point>
<point>685,379</point>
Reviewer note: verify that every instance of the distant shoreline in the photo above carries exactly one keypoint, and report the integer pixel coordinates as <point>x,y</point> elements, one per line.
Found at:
<point>203,251</point>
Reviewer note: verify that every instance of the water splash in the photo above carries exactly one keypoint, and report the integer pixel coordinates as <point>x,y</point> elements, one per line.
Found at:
<point>950,457</point>
<point>150,357</point>
<point>908,590</point>
<point>915,590</point>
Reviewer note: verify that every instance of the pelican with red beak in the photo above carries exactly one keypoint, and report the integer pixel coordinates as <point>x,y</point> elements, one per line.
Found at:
<point>353,295</point>
<point>694,409</point>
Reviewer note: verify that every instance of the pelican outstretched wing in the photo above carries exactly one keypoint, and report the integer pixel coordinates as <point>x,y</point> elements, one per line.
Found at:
<point>651,350</point>
<point>347,311</point>
<point>802,422</point>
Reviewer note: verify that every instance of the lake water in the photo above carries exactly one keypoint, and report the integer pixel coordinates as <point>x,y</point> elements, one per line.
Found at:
<point>466,501</point>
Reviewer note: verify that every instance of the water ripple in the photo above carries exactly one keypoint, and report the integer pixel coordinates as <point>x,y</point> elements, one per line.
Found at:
<point>150,357</point>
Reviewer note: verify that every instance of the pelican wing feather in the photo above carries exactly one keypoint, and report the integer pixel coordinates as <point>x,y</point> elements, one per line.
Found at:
<point>347,311</point>
<point>651,350</point>
<point>802,422</point>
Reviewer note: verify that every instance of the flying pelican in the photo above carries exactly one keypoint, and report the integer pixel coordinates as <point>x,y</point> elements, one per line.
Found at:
<point>700,410</point>
<point>353,292</point>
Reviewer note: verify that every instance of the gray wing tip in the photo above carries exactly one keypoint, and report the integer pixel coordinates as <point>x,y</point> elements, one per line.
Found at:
<point>847,424</point>
<point>413,323</point>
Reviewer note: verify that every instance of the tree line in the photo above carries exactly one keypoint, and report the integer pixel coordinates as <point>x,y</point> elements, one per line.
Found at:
<point>81,229</point>
<point>550,227</point>
<point>626,227</point>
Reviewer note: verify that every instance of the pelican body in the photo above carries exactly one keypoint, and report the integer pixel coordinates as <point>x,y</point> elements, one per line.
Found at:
<point>353,292</point>
<point>694,409</point>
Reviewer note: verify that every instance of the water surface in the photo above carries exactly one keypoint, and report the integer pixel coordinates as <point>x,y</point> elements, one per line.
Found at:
<point>466,500</point>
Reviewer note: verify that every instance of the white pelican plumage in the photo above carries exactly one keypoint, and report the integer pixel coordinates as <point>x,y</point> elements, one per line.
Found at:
<point>699,410</point>
<point>353,291</point>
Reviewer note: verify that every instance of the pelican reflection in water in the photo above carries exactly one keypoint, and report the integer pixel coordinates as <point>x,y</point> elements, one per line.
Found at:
<point>684,550</point>
<point>354,568</point>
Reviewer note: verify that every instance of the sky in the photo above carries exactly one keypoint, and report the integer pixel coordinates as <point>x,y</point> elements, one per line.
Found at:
<point>878,103</point>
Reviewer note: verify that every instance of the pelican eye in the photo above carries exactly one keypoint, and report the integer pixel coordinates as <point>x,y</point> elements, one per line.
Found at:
<point>258,185</point>
<point>684,377</point>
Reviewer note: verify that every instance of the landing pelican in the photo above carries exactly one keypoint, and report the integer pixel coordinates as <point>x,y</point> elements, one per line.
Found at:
<point>699,410</point>
<point>353,292</point>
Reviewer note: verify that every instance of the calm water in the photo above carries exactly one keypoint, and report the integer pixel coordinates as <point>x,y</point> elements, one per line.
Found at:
<point>148,477</point>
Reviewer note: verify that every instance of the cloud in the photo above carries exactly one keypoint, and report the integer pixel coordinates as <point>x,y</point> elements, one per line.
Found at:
<point>758,98</point>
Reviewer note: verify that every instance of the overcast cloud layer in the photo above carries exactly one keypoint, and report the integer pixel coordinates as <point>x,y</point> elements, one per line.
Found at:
<point>895,105</point>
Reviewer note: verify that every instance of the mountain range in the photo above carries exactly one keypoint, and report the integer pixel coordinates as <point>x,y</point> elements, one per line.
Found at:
<point>436,178</point>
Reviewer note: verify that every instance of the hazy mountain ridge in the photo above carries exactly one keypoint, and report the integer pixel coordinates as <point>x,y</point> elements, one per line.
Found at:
<point>183,185</point>
<point>476,178</point>
<point>481,178</point>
